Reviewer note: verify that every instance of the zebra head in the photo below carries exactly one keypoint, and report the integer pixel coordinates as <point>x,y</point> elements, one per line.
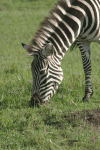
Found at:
<point>46,70</point>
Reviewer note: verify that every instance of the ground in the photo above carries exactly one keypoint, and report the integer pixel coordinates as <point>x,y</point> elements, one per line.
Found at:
<point>66,122</point>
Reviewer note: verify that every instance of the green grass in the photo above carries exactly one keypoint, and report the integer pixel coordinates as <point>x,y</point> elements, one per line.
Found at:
<point>65,123</point>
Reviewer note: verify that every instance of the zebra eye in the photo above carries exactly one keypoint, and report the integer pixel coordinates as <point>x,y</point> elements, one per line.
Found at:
<point>42,72</point>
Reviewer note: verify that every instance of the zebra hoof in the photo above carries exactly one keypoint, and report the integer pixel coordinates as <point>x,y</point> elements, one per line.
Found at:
<point>86,98</point>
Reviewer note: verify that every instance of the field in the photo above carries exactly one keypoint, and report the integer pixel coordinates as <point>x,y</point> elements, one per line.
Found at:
<point>66,123</point>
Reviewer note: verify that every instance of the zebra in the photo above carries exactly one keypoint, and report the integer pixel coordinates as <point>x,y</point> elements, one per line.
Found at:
<point>69,23</point>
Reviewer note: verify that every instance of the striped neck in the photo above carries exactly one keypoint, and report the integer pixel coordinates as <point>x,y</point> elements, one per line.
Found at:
<point>61,28</point>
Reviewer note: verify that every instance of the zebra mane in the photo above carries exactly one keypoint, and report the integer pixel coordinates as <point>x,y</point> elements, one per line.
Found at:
<point>39,40</point>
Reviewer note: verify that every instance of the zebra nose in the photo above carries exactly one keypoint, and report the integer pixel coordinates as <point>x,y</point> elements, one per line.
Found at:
<point>35,100</point>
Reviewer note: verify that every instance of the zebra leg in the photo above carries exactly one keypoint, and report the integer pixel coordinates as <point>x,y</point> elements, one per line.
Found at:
<point>84,47</point>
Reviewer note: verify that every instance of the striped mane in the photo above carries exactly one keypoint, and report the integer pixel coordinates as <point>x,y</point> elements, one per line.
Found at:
<point>50,22</point>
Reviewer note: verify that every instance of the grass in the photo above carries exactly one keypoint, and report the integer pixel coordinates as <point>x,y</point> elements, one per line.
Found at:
<point>65,123</point>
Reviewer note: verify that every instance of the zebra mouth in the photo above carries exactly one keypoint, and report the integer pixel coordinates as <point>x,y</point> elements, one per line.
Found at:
<point>35,100</point>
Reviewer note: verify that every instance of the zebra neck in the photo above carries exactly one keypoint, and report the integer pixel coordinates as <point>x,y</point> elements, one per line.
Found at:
<point>62,27</point>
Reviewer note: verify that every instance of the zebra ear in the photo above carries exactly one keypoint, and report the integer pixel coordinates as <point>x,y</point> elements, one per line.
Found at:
<point>48,50</point>
<point>28,48</point>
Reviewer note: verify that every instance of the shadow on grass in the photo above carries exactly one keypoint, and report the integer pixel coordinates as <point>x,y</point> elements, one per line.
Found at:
<point>88,116</point>
<point>75,119</point>
<point>74,122</point>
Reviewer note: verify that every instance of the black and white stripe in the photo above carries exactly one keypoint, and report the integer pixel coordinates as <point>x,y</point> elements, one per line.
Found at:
<point>68,22</point>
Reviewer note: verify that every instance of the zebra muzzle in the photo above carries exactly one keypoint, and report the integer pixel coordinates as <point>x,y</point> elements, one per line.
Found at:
<point>35,99</point>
